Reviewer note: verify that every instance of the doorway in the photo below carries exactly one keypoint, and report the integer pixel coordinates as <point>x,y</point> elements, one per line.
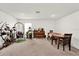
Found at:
<point>27,25</point>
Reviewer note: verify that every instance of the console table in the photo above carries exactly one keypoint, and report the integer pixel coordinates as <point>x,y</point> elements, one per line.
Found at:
<point>39,34</point>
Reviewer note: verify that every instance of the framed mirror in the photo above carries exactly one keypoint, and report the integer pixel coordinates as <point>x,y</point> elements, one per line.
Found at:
<point>19,29</point>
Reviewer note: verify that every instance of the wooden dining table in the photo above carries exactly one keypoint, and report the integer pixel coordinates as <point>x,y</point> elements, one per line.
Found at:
<point>57,37</point>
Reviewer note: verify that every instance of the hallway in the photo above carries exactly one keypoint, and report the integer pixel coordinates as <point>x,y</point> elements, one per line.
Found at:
<point>35,47</point>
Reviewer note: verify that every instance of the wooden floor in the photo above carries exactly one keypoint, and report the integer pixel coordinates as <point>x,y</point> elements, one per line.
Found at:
<point>36,47</point>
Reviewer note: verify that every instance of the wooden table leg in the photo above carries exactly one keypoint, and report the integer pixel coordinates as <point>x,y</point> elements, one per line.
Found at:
<point>55,41</point>
<point>52,41</point>
<point>58,43</point>
<point>63,45</point>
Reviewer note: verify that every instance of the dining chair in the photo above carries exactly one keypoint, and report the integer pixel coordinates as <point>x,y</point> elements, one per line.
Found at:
<point>66,40</point>
<point>53,38</point>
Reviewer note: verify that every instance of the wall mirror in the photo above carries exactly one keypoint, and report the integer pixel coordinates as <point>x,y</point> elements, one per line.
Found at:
<point>19,29</point>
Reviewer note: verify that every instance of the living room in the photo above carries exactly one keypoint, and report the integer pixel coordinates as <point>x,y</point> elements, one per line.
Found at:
<point>42,17</point>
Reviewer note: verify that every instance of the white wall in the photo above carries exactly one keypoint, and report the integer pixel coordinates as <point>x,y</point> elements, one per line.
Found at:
<point>9,19</point>
<point>69,24</point>
<point>47,24</point>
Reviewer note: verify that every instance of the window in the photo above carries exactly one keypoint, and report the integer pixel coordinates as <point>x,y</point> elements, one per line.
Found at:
<point>27,25</point>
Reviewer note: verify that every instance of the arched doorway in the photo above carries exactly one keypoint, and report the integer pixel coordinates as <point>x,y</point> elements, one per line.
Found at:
<point>19,27</point>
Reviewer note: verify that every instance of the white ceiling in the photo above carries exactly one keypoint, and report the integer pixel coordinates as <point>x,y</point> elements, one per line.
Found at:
<point>47,10</point>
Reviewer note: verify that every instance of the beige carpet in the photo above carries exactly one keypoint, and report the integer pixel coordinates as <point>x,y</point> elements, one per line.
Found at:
<point>36,47</point>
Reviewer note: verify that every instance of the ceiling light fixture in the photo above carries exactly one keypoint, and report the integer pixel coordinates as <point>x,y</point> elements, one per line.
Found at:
<point>53,15</point>
<point>37,11</point>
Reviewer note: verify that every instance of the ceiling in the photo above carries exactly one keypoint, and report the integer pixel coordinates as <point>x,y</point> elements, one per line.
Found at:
<point>44,10</point>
